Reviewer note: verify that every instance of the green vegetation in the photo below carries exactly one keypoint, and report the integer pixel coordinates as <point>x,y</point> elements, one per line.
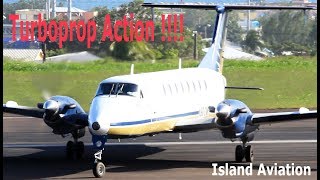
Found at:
<point>289,82</point>
<point>251,42</point>
<point>10,8</point>
<point>293,31</point>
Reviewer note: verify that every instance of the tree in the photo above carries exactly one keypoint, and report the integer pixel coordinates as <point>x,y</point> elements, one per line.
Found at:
<point>251,42</point>
<point>288,31</point>
<point>176,49</point>
<point>10,8</point>
<point>132,51</point>
<point>199,20</point>
<point>312,38</point>
<point>134,7</point>
<point>234,30</point>
<point>194,18</point>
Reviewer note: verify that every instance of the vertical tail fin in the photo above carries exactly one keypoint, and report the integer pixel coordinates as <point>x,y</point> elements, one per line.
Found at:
<point>214,56</point>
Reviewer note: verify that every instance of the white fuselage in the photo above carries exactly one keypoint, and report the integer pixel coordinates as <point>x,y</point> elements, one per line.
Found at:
<point>162,101</point>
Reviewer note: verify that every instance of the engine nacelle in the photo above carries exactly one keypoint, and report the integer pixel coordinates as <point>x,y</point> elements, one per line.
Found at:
<point>63,114</point>
<point>232,117</point>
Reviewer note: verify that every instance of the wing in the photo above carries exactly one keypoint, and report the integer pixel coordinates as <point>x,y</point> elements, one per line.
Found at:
<point>23,110</point>
<point>268,118</point>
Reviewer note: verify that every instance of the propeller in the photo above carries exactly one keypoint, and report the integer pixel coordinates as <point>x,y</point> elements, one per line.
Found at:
<point>46,95</point>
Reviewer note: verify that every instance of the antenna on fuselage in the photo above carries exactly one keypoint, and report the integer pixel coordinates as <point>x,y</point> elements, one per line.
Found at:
<point>132,69</point>
<point>180,63</point>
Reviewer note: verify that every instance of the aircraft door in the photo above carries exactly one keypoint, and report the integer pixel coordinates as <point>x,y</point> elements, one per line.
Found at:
<point>145,107</point>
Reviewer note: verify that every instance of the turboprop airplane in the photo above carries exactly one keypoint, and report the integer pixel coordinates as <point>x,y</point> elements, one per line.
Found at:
<point>173,101</point>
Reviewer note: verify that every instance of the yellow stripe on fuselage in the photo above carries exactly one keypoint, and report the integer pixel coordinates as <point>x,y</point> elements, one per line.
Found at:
<point>146,128</point>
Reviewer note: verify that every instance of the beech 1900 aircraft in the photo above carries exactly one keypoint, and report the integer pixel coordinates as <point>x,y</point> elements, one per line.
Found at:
<point>176,101</point>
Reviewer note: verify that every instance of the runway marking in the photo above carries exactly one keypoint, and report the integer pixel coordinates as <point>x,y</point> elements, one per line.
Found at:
<point>165,143</point>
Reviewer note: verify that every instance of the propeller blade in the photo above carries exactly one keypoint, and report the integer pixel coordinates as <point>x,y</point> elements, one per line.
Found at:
<point>46,94</point>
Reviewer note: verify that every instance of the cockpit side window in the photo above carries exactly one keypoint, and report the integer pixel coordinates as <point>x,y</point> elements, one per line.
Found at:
<point>118,89</point>
<point>127,89</point>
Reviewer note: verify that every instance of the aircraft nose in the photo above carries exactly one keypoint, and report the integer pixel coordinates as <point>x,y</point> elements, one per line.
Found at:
<point>98,126</point>
<point>98,119</point>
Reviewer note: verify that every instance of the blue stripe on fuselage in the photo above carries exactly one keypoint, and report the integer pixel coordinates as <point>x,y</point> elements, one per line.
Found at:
<point>153,120</point>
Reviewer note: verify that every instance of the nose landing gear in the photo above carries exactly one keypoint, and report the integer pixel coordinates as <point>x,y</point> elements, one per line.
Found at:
<point>98,169</point>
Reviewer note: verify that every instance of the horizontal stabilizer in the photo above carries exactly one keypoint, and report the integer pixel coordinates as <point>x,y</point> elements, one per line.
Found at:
<point>250,88</point>
<point>227,7</point>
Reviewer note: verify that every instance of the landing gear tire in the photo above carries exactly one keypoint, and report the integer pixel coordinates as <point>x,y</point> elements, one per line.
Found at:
<point>69,150</point>
<point>74,151</point>
<point>79,150</point>
<point>239,153</point>
<point>249,154</point>
<point>99,169</point>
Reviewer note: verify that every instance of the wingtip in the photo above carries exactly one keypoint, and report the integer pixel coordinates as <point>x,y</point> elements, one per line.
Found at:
<point>303,110</point>
<point>10,104</point>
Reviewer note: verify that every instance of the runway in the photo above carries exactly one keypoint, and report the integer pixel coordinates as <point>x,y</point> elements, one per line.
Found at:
<point>31,151</point>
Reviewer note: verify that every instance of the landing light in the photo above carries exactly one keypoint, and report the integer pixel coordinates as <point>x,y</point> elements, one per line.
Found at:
<point>98,143</point>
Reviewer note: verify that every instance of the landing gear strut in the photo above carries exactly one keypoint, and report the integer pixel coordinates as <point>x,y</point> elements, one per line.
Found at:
<point>75,148</point>
<point>244,152</point>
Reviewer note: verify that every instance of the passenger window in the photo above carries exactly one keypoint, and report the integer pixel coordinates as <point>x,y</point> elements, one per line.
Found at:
<point>194,86</point>
<point>170,89</point>
<point>205,84</point>
<point>188,87</point>
<point>199,85</point>
<point>176,86</point>
<point>164,90</point>
<point>181,86</point>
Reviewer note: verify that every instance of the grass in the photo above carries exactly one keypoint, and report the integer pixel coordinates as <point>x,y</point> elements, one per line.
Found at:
<point>289,82</point>
<point>109,65</point>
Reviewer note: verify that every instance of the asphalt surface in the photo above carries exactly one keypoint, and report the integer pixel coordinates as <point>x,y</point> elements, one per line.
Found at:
<point>31,151</point>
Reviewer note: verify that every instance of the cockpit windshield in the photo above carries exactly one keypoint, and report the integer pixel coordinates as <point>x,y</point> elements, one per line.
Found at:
<point>117,89</point>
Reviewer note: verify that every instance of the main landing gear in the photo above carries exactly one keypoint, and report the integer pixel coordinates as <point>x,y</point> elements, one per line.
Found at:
<point>75,148</point>
<point>244,152</point>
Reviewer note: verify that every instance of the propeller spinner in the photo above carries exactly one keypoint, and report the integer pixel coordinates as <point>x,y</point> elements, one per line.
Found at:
<point>223,111</point>
<point>51,106</point>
